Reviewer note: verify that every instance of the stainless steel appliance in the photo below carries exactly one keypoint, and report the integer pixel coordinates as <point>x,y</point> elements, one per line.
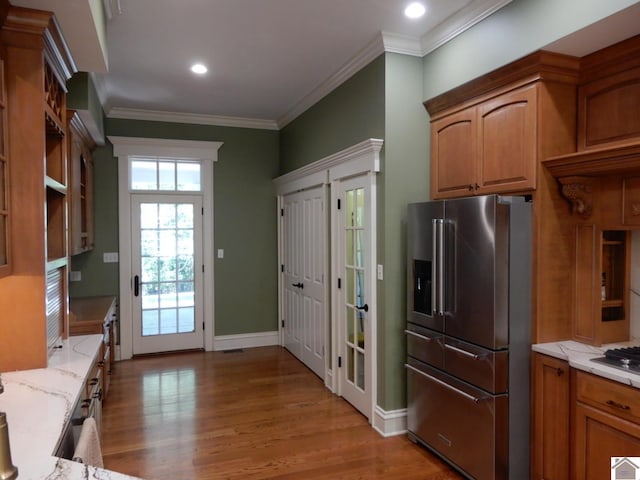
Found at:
<point>626,359</point>
<point>468,332</point>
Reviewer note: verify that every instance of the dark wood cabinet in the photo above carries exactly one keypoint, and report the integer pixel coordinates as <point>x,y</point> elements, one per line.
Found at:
<point>551,418</point>
<point>34,298</point>
<point>97,315</point>
<point>606,417</point>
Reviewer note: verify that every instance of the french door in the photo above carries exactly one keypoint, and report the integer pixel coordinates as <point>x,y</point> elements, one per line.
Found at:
<point>355,302</point>
<point>167,273</point>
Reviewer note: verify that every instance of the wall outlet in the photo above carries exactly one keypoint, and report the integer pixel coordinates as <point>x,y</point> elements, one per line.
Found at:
<point>75,276</point>
<point>110,257</point>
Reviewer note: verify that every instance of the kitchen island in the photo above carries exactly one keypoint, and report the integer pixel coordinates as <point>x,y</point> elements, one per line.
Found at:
<point>39,402</point>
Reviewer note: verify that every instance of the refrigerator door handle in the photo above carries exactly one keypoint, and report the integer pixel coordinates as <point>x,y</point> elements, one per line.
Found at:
<point>441,266</point>
<point>434,267</point>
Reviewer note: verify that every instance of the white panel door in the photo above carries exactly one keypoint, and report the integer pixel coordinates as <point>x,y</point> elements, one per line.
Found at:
<point>305,296</point>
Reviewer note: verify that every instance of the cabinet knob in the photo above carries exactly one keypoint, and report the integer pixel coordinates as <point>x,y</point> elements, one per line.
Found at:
<point>559,372</point>
<point>470,187</point>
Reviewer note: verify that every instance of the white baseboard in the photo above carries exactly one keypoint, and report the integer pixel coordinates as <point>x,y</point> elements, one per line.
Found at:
<point>246,340</point>
<point>390,423</point>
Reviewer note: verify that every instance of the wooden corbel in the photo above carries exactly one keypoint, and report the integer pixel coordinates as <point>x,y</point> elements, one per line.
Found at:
<point>579,192</point>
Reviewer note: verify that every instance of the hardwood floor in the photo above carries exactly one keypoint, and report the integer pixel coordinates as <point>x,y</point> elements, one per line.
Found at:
<point>253,414</point>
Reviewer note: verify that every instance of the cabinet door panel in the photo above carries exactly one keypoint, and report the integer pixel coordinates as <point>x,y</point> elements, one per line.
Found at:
<point>453,154</point>
<point>598,437</point>
<point>551,418</point>
<point>507,140</point>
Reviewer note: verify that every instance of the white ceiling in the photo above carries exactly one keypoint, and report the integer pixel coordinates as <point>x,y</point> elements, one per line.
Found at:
<point>268,60</point>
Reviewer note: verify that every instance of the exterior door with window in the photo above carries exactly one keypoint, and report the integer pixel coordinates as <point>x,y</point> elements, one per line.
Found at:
<point>166,255</point>
<point>354,298</point>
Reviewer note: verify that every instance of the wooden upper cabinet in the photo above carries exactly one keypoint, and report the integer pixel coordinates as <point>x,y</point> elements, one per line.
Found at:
<point>453,151</point>
<point>507,142</point>
<point>81,180</point>
<point>486,148</point>
<point>487,136</point>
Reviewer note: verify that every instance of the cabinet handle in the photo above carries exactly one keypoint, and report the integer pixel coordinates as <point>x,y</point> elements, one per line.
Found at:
<point>136,285</point>
<point>559,372</point>
<point>477,186</point>
<point>615,404</point>
<point>470,187</point>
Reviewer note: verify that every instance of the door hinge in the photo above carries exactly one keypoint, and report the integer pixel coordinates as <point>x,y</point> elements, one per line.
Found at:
<point>282,323</point>
<point>203,268</point>
<point>339,362</point>
<point>202,325</point>
<point>338,204</point>
<point>339,283</point>
<point>282,268</point>
<point>282,212</point>
<point>203,211</point>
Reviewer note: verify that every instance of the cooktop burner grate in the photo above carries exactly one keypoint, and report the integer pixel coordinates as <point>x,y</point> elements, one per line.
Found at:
<point>628,353</point>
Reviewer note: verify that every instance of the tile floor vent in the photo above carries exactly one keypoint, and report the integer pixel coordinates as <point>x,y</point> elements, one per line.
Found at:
<point>233,350</point>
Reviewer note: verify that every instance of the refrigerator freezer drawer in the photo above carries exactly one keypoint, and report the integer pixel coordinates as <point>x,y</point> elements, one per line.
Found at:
<point>425,345</point>
<point>466,426</point>
<point>487,369</point>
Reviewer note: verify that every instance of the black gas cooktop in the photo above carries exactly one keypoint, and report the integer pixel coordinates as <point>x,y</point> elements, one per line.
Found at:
<point>627,359</point>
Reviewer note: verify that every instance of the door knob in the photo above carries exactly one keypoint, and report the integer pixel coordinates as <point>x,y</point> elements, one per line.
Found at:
<point>365,307</point>
<point>298,285</point>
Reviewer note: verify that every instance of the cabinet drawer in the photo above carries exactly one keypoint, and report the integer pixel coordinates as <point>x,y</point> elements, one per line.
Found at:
<point>613,397</point>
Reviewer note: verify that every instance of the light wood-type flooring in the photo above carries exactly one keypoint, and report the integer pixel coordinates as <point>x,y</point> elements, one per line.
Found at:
<point>252,414</point>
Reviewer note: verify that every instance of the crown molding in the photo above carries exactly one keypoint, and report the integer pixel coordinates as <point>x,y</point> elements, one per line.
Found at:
<point>383,42</point>
<point>373,50</point>
<point>191,118</point>
<point>403,44</point>
<point>462,20</point>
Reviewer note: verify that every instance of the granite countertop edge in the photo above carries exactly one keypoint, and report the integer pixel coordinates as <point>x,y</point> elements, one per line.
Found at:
<point>39,402</point>
<point>580,355</point>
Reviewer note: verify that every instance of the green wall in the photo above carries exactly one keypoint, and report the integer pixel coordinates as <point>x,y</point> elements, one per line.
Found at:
<point>353,112</point>
<point>520,28</point>
<point>404,179</point>
<point>244,221</point>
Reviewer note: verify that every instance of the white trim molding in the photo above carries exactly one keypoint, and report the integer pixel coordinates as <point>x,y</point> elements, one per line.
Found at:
<point>361,157</point>
<point>246,340</point>
<point>391,423</point>
<point>191,118</point>
<point>207,153</point>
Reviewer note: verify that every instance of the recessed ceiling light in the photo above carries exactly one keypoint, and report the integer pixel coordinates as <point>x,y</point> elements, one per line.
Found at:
<point>198,68</point>
<point>415,10</point>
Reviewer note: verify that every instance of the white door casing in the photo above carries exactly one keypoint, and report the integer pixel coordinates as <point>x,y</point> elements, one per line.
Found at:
<point>207,154</point>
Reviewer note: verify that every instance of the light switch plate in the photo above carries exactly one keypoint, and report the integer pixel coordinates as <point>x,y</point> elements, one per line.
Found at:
<point>380,272</point>
<point>75,276</point>
<point>110,257</point>
<point>220,253</point>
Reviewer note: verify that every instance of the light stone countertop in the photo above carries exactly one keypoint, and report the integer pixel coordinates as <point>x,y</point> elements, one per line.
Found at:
<point>38,404</point>
<point>579,356</point>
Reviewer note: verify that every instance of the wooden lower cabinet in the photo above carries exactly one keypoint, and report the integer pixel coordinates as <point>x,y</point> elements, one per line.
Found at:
<point>551,417</point>
<point>598,437</point>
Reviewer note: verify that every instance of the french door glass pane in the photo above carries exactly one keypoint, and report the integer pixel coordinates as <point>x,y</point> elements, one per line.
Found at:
<point>167,274</point>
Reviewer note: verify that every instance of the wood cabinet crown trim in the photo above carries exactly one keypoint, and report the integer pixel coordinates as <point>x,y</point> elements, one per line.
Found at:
<point>612,160</point>
<point>540,65</point>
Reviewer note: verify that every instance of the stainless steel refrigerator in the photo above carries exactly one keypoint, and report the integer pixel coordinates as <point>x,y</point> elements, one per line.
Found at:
<point>468,332</point>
